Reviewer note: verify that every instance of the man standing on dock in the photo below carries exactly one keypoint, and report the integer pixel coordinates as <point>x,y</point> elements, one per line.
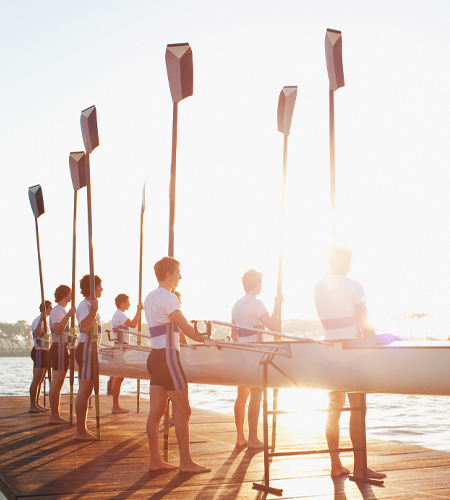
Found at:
<point>252,313</point>
<point>341,306</point>
<point>121,325</point>
<point>167,379</point>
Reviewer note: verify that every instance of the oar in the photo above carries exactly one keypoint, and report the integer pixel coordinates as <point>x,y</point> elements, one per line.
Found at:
<point>37,205</point>
<point>180,74</point>
<point>333,54</point>
<point>139,326</point>
<point>286,103</point>
<point>89,131</point>
<point>77,164</point>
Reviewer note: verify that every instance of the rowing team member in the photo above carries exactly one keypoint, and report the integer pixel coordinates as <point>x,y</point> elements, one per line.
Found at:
<point>167,379</point>
<point>121,325</point>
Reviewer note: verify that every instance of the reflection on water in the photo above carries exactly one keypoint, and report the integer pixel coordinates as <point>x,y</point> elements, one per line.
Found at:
<point>416,420</point>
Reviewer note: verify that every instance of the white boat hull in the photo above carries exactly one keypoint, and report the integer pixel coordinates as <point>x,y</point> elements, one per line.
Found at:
<point>398,368</point>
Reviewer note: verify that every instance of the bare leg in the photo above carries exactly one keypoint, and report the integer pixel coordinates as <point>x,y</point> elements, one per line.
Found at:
<point>336,403</point>
<point>239,414</point>
<point>181,414</point>
<point>356,437</point>
<point>158,399</point>
<point>55,397</point>
<point>115,390</point>
<point>81,409</point>
<point>254,408</point>
<point>35,389</point>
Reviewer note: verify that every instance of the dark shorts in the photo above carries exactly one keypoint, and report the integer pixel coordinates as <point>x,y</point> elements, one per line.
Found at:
<point>59,356</point>
<point>165,369</point>
<point>40,358</point>
<point>83,357</point>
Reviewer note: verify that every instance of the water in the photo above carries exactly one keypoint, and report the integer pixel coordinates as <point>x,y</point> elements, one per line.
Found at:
<point>415,420</point>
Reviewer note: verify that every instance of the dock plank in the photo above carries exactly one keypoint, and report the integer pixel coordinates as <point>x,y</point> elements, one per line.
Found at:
<point>43,462</point>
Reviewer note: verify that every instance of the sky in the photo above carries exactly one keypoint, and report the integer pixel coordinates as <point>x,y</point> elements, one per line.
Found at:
<point>392,126</point>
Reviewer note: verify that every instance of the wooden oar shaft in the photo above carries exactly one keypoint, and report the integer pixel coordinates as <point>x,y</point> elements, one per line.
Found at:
<point>94,331</point>
<point>173,177</point>
<point>41,279</point>
<point>72,319</point>
<point>332,165</point>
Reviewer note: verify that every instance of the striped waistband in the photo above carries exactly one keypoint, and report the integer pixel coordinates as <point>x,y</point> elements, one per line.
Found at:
<point>243,332</point>
<point>334,324</point>
<point>157,331</point>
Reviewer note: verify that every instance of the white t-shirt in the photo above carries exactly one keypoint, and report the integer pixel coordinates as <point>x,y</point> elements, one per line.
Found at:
<point>56,316</point>
<point>336,297</point>
<point>117,322</point>
<point>158,305</point>
<point>83,310</point>
<point>246,312</point>
<point>34,325</point>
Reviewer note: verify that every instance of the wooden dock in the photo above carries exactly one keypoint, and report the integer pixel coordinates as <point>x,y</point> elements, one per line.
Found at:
<point>43,462</point>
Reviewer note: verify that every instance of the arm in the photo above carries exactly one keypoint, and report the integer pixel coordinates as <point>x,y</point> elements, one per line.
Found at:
<point>132,323</point>
<point>58,328</point>
<point>38,329</point>
<point>363,319</point>
<point>87,323</point>
<point>234,333</point>
<point>179,320</point>
<point>271,322</point>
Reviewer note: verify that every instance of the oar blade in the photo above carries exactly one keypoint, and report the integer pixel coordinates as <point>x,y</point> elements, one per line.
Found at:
<point>286,104</point>
<point>77,164</point>
<point>36,200</point>
<point>89,129</point>
<point>333,54</point>
<point>180,71</point>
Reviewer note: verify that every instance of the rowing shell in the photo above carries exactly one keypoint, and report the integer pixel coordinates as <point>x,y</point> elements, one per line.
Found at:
<point>371,365</point>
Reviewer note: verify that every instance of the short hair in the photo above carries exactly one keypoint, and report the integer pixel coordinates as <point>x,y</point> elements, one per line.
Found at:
<point>61,292</point>
<point>85,284</point>
<point>164,266</point>
<point>122,297</point>
<point>339,256</point>
<point>43,308</point>
<point>250,279</point>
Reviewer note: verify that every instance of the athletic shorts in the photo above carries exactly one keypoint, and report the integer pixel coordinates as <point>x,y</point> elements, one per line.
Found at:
<point>59,356</point>
<point>165,369</point>
<point>40,358</point>
<point>83,357</point>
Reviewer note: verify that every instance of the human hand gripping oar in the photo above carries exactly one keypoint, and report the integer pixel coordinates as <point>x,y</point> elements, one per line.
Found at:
<point>139,327</point>
<point>180,74</point>
<point>89,131</point>
<point>77,164</point>
<point>333,54</point>
<point>37,205</point>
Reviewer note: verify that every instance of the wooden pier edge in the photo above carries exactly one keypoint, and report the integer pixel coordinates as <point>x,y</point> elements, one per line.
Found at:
<point>43,462</point>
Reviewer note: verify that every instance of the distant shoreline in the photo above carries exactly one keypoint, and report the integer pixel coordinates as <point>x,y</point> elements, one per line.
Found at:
<point>16,354</point>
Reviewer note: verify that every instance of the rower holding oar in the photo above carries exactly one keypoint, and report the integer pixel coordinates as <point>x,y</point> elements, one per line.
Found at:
<point>39,355</point>
<point>167,379</point>
<point>59,353</point>
<point>87,315</point>
<point>251,312</point>
<point>121,324</point>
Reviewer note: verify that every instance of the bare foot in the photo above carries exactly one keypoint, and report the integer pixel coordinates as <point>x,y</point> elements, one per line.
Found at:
<point>120,410</point>
<point>339,470</point>
<point>58,420</point>
<point>43,408</point>
<point>241,442</point>
<point>36,409</point>
<point>86,436</point>
<point>161,466</point>
<point>194,468</point>
<point>370,474</point>
<point>255,445</point>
